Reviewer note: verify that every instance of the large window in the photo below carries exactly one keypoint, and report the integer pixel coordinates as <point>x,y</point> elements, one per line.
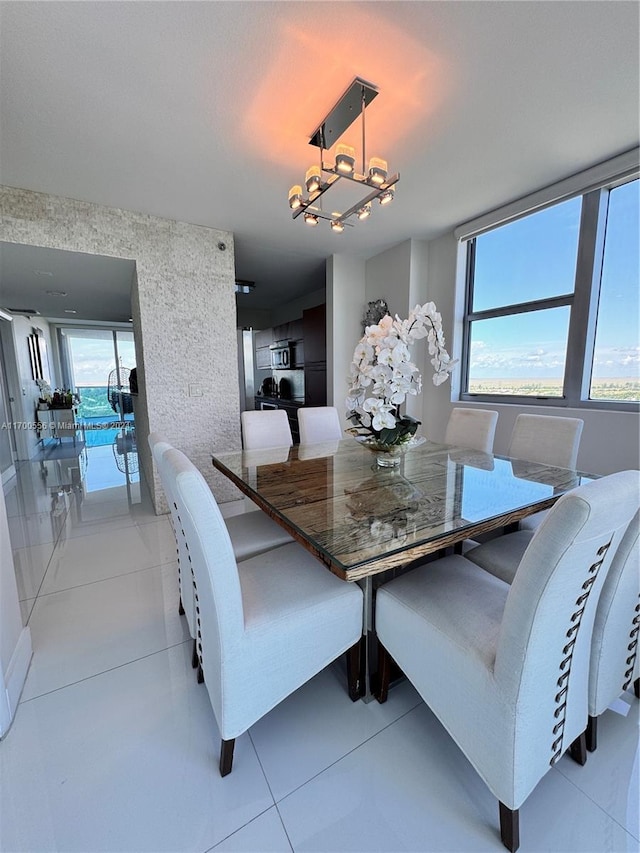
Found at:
<point>552,310</point>
<point>616,354</point>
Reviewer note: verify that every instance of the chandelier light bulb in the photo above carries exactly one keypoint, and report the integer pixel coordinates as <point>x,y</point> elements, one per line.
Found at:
<point>377,171</point>
<point>336,226</point>
<point>295,197</point>
<point>386,196</point>
<point>313,179</point>
<point>364,211</point>
<point>310,219</point>
<point>345,159</point>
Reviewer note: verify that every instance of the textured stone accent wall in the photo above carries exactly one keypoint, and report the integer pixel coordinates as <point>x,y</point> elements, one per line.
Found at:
<point>184,317</point>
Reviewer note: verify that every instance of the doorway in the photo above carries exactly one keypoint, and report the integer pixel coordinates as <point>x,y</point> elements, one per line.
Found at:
<point>97,365</point>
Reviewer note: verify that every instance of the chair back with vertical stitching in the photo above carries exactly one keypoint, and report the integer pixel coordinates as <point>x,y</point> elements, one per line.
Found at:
<point>472,428</point>
<point>319,423</point>
<point>262,429</point>
<point>217,593</point>
<point>543,649</point>
<point>614,647</point>
<point>547,439</point>
<point>159,445</point>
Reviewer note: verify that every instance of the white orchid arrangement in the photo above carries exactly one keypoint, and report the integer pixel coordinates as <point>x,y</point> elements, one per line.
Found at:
<point>383,375</point>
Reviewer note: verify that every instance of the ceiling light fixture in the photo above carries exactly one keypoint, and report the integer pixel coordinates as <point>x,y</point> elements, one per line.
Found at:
<point>56,292</point>
<point>374,177</point>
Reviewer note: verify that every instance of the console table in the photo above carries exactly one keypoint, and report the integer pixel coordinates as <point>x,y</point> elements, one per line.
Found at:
<point>59,422</point>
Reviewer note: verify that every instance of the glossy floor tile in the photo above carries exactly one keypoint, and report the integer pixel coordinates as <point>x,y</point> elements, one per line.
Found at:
<point>321,707</point>
<point>108,554</point>
<point>126,761</point>
<point>264,833</point>
<point>611,775</point>
<point>31,566</point>
<point>410,788</point>
<point>72,632</point>
<point>115,747</point>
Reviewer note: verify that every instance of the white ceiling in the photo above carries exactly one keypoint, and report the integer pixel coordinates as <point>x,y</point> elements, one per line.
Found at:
<point>201,111</point>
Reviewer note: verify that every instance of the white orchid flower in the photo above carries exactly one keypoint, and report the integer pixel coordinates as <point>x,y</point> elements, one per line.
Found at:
<point>382,374</point>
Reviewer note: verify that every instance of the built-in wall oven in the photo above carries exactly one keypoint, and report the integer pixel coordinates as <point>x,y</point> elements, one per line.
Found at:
<point>280,355</point>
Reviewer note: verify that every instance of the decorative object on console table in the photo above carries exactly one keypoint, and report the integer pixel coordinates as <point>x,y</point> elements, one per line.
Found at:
<point>382,375</point>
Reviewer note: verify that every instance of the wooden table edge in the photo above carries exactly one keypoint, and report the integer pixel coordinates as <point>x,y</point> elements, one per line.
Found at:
<point>391,561</point>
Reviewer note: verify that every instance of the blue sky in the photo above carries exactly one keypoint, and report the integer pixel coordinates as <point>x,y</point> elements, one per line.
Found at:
<point>534,258</point>
<point>93,356</point>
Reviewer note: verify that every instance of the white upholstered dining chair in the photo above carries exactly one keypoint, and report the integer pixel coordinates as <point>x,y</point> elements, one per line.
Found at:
<point>264,626</point>
<point>319,423</point>
<point>614,647</point>
<point>263,429</point>
<point>472,428</point>
<point>547,439</point>
<point>521,651</point>
<point>614,663</point>
<point>251,533</point>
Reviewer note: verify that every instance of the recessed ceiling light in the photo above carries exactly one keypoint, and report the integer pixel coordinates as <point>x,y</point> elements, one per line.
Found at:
<point>43,272</point>
<point>56,292</point>
<point>70,311</point>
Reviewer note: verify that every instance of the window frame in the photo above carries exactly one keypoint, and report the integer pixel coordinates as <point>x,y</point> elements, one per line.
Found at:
<point>583,305</point>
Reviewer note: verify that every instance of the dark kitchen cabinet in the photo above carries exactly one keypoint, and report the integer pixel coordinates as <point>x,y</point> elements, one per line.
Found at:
<point>315,356</point>
<point>295,330</point>
<point>314,327</point>
<point>290,331</point>
<point>263,340</point>
<point>315,383</point>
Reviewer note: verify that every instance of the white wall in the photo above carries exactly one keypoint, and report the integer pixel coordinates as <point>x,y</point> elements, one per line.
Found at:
<point>26,401</point>
<point>399,275</point>
<point>15,641</point>
<point>388,276</point>
<point>345,307</point>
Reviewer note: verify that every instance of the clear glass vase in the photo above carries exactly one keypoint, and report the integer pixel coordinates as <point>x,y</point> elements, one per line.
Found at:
<point>389,455</point>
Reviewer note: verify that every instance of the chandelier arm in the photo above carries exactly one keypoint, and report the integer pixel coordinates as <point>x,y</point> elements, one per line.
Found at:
<point>372,195</point>
<point>316,195</point>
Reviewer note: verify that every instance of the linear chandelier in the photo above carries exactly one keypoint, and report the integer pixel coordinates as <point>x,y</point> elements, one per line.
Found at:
<point>321,178</point>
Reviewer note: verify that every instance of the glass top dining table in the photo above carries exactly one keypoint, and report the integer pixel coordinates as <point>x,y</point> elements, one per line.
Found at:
<point>361,520</point>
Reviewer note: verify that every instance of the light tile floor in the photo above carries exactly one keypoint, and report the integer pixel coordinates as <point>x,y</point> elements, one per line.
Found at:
<point>115,748</point>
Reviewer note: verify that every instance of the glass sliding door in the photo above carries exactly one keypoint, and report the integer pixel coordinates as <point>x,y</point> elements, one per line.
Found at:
<point>97,365</point>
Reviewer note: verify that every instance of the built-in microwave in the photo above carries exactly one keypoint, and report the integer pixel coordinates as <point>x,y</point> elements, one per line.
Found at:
<point>280,355</point>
